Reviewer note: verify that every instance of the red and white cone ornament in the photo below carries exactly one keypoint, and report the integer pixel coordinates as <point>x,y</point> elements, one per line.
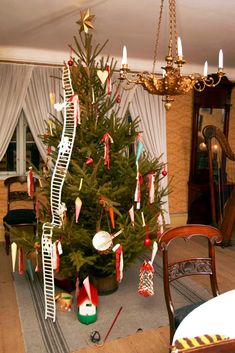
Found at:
<point>146,275</point>
<point>30,186</point>
<point>107,139</point>
<point>75,100</point>
<point>78,205</point>
<point>160,224</point>
<point>119,261</point>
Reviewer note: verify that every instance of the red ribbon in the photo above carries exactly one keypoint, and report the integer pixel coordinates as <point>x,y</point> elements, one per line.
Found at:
<point>139,182</point>
<point>107,139</point>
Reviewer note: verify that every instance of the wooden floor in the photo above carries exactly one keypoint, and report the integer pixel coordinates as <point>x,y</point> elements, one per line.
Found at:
<point>152,341</point>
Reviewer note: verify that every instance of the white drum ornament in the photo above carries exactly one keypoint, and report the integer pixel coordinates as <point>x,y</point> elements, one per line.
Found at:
<point>102,241</point>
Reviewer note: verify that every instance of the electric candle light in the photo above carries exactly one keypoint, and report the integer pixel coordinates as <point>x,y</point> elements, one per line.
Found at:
<point>124,56</point>
<point>220,59</point>
<point>179,45</point>
<point>205,69</point>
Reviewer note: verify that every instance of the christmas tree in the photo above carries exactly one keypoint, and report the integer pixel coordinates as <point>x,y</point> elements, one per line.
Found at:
<point>111,186</point>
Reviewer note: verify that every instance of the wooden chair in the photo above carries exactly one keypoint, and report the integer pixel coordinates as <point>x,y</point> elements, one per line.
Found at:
<point>187,267</point>
<point>20,207</point>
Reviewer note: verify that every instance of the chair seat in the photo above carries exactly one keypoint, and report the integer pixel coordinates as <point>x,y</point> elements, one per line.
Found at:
<point>20,216</point>
<point>182,312</point>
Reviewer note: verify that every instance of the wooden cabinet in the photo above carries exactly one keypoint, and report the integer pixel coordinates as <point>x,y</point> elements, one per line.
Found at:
<point>210,107</point>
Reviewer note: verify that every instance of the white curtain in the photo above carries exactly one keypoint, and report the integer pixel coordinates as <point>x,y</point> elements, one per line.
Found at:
<point>152,115</point>
<point>37,106</point>
<point>14,81</point>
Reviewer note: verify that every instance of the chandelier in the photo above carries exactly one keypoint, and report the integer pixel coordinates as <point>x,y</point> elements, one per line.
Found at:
<point>172,82</point>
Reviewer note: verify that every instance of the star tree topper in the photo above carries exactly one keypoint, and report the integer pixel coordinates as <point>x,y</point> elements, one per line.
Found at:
<point>86,20</point>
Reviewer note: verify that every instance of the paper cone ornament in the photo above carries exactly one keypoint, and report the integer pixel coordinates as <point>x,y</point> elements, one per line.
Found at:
<point>13,255</point>
<point>111,215</point>
<point>78,205</point>
<point>119,261</point>
<point>132,215</point>
<point>86,284</point>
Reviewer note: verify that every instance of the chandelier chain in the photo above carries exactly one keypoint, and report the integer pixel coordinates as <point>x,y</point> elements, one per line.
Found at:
<point>157,35</point>
<point>173,33</point>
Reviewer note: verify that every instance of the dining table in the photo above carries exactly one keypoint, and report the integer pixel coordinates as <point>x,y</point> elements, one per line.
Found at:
<point>214,317</point>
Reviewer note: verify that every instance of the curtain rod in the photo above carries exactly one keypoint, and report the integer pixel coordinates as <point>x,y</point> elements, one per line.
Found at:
<point>29,63</point>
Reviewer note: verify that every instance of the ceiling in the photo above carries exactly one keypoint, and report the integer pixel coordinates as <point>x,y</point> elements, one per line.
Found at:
<point>40,30</point>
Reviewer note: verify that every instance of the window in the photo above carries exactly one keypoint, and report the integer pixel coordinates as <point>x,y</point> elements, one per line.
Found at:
<point>22,151</point>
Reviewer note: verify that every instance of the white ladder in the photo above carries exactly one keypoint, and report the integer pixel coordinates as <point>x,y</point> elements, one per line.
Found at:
<point>57,181</point>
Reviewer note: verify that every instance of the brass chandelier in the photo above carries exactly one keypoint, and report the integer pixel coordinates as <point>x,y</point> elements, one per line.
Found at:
<point>171,83</point>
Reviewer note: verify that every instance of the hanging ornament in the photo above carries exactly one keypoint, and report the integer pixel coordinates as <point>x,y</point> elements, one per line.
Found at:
<point>30,185</point>
<point>108,84</point>
<point>111,215</point>
<point>103,241</point>
<point>146,275</point>
<point>151,188</point>
<point>78,205</point>
<point>70,61</point>
<point>103,75</point>
<point>132,215</point>
<point>160,224</point>
<point>147,240</point>
<point>56,252</point>
<point>140,147</point>
<point>107,139</point>
<point>137,196</point>
<point>51,126</point>
<point>20,261</point>
<point>13,255</point>
<point>164,172</point>
<point>119,261</point>
<point>89,161</point>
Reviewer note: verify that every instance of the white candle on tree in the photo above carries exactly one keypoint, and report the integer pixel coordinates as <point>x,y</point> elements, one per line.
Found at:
<point>205,72</point>
<point>221,59</point>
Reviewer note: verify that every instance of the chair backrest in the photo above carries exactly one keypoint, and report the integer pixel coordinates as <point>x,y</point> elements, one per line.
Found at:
<point>189,266</point>
<point>17,194</point>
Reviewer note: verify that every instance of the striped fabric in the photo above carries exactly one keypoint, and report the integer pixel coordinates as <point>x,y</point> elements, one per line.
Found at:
<point>193,342</point>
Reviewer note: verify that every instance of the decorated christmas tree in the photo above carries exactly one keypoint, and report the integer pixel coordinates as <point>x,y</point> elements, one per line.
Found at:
<point>111,192</point>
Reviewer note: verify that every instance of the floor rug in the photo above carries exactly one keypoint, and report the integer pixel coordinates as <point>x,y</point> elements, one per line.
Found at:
<point>67,334</point>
